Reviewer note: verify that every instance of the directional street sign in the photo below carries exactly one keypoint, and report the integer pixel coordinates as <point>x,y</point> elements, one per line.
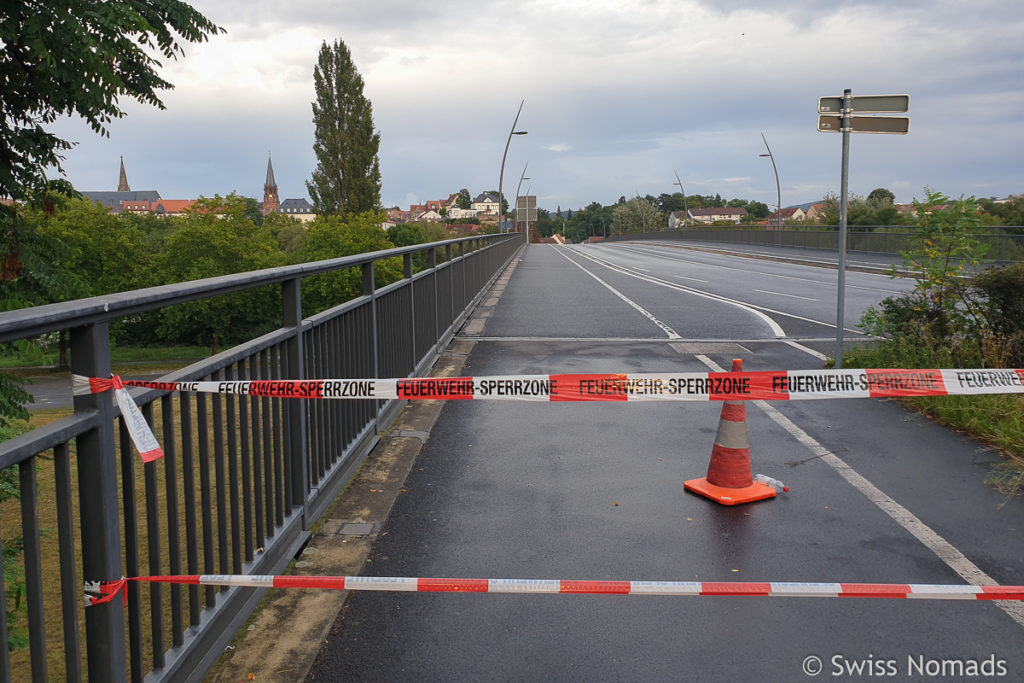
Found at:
<point>895,125</point>
<point>866,104</point>
<point>839,115</point>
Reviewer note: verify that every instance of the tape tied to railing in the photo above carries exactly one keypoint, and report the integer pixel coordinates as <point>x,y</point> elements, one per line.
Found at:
<point>780,385</point>
<point>101,592</point>
<point>138,429</point>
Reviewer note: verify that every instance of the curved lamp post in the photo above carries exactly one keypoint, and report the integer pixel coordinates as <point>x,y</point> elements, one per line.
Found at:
<point>518,187</point>
<point>778,191</point>
<point>501,176</point>
<point>686,211</point>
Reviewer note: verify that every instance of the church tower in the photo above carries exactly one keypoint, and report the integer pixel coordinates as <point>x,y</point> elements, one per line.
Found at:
<point>270,198</point>
<point>122,183</point>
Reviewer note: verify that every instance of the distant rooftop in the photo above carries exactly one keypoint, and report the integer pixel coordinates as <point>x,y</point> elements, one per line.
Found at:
<point>112,200</point>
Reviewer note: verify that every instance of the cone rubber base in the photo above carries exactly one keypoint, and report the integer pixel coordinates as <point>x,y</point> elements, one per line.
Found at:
<point>729,496</point>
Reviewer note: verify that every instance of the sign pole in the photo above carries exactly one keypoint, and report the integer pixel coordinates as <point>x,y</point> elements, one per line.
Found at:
<point>841,294</point>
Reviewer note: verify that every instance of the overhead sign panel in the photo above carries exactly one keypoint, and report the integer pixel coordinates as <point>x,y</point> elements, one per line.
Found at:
<point>526,208</point>
<point>866,104</point>
<point>894,125</point>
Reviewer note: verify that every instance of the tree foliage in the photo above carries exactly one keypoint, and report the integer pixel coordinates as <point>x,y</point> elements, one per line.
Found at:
<point>346,181</point>
<point>217,238</point>
<point>332,237</point>
<point>64,58</point>
<point>636,215</point>
<point>107,253</point>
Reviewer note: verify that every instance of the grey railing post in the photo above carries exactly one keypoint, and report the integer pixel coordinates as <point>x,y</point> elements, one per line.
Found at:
<point>369,289</point>
<point>432,264</point>
<point>291,291</point>
<point>451,282</point>
<point>407,274</point>
<point>97,487</point>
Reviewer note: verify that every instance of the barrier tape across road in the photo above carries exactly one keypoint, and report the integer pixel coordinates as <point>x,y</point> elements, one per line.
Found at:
<point>99,592</point>
<point>772,385</point>
<point>783,385</point>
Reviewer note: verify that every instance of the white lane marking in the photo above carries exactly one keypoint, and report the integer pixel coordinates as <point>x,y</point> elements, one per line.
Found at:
<point>831,283</point>
<point>791,296</point>
<point>805,349</point>
<point>694,279</point>
<point>775,327</point>
<point>672,334</point>
<point>942,548</point>
<point>718,297</point>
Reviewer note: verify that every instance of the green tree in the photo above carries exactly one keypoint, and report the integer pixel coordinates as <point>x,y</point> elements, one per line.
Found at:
<point>407,234</point>
<point>433,232</point>
<point>331,237</point>
<point>757,210</point>
<point>667,203</point>
<point>547,224</point>
<point>107,251</point>
<point>346,181</point>
<point>61,59</point>
<point>464,200</point>
<point>287,230</point>
<point>636,215</point>
<point>880,197</point>
<point>1009,212</point>
<point>253,211</point>
<point>67,58</point>
<point>943,249</point>
<point>830,209</point>
<point>217,238</point>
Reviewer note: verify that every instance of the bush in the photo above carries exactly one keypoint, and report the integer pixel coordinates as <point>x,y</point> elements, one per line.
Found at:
<point>1003,292</point>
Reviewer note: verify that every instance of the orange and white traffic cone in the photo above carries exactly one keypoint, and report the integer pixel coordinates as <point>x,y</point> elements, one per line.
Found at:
<point>730,480</point>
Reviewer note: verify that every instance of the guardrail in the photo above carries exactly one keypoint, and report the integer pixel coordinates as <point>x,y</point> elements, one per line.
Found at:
<point>243,478</point>
<point>1005,244</point>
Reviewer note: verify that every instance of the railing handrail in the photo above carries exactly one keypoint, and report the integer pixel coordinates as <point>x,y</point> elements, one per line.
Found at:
<point>31,322</point>
<point>267,470</point>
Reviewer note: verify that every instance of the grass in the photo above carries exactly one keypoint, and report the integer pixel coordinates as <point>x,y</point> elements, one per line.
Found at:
<point>994,419</point>
<point>37,358</point>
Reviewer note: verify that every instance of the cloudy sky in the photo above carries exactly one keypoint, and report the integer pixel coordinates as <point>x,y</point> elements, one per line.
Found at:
<point>618,94</point>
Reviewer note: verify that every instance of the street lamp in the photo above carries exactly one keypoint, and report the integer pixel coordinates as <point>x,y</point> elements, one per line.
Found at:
<point>501,176</point>
<point>521,179</point>
<point>778,191</point>
<point>686,212</point>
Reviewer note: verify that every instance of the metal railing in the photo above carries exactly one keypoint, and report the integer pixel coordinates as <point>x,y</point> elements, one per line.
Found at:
<point>1005,244</point>
<point>242,477</point>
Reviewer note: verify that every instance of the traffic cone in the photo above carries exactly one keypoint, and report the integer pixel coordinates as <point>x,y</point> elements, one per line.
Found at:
<point>730,480</point>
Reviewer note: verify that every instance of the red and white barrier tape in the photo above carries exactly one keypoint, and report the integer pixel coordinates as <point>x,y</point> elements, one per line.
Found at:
<point>780,385</point>
<point>142,436</point>
<point>100,592</point>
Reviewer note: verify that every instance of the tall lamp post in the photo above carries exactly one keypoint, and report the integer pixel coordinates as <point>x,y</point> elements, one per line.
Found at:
<point>501,176</point>
<point>686,212</point>
<point>778,191</point>
<point>520,185</point>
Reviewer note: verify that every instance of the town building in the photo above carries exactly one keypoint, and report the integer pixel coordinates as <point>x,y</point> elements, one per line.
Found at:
<point>716,215</point>
<point>485,203</point>
<point>297,208</point>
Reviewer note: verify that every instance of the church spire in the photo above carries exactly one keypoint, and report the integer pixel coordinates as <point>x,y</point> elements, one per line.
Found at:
<point>270,174</point>
<point>270,198</point>
<point>122,183</point>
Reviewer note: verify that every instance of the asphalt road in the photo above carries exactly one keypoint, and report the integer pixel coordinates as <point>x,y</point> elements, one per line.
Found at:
<point>594,491</point>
